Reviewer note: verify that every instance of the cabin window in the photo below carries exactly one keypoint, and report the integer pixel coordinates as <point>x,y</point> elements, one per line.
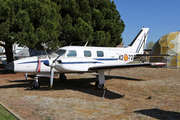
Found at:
<point>100,54</point>
<point>87,53</point>
<point>71,53</point>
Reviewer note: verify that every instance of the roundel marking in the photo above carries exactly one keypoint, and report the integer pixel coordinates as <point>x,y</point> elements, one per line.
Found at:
<point>125,57</point>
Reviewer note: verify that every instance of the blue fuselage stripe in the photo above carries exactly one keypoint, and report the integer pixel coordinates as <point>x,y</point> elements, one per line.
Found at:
<point>99,61</point>
<point>107,59</point>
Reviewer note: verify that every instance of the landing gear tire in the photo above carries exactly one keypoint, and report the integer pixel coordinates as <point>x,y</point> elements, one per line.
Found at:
<point>63,78</point>
<point>99,86</point>
<point>36,85</point>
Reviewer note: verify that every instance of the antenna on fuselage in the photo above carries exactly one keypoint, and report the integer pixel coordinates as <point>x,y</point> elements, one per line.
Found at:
<point>86,44</point>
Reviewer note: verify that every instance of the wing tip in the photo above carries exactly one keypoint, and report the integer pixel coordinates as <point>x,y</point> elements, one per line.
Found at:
<point>158,64</point>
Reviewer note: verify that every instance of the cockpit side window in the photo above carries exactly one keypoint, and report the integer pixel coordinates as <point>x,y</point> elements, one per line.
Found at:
<point>100,54</point>
<point>87,53</point>
<point>71,53</point>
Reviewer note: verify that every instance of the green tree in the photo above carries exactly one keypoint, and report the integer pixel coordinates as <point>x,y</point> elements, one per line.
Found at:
<point>30,23</point>
<point>56,22</point>
<point>96,21</point>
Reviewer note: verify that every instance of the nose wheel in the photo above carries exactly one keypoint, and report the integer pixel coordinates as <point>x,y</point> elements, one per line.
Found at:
<point>36,84</point>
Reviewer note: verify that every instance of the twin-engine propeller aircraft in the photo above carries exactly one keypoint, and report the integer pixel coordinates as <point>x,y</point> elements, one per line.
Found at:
<point>81,59</point>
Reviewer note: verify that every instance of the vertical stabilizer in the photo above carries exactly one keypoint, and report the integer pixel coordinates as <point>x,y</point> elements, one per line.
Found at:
<point>139,43</point>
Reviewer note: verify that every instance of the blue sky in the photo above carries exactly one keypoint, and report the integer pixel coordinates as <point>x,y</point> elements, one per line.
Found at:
<point>160,16</point>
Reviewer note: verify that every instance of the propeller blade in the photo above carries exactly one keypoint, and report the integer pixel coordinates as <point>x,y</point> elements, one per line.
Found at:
<point>56,59</point>
<point>51,64</point>
<point>52,76</point>
<point>47,54</point>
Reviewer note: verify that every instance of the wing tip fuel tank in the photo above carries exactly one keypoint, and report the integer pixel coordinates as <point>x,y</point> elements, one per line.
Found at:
<point>158,64</point>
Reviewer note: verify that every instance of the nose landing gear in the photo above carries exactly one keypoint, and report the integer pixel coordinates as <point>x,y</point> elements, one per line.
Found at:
<point>36,83</point>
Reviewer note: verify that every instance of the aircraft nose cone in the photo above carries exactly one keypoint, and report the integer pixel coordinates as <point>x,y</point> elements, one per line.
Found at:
<point>10,66</point>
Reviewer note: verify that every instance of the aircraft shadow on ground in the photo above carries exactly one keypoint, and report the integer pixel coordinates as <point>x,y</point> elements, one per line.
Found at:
<point>22,83</point>
<point>160,114</point>
<point>82,85</point>
<point>107,77</point>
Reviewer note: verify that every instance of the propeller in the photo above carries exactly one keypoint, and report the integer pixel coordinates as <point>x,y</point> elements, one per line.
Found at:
<point>51,70</point>
<point>51,63</point>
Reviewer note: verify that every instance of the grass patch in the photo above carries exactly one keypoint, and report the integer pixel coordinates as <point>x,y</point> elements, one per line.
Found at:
<point>6,115</point>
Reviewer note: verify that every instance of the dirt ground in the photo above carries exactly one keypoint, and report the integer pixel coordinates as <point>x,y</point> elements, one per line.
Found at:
<point>136,93</point>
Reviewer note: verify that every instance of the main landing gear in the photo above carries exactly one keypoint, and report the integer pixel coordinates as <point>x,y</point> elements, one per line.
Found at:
<point>62,77</point>
<point>99,86</point>
<point>101,80</point>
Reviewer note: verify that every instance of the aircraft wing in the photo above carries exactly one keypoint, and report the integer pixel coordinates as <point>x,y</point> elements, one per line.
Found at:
<point>152,55</point>
<point>124,66</point>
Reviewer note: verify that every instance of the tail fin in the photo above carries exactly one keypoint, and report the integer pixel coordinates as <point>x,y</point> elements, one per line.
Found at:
<point>139,43</point>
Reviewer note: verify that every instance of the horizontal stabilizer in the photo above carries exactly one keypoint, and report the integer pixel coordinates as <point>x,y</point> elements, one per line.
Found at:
<point>147,50</point>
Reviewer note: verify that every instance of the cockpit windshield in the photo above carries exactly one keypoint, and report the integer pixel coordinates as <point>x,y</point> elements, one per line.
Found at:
<point>57,53</point>
<point>54,54</point>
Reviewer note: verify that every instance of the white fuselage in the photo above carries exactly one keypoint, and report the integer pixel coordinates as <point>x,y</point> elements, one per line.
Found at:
<point>76,59</point>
